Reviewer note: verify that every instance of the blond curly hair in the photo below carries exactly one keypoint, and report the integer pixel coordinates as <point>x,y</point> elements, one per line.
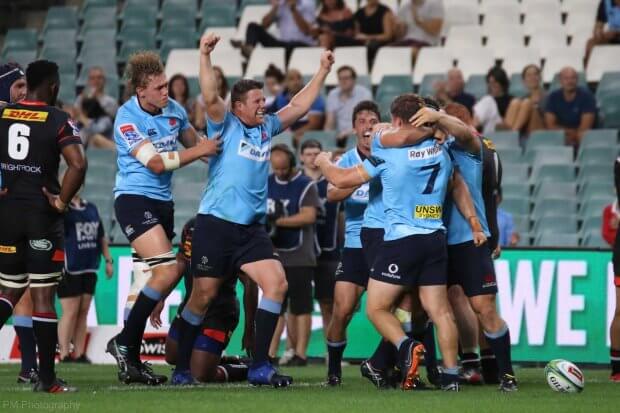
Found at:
<point>140,66</point>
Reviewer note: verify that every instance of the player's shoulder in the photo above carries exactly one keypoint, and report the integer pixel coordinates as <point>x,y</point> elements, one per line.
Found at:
<point>175,108</point>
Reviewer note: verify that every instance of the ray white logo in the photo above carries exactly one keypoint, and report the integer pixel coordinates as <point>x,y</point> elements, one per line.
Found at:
<point>40,244</point>
<point>426,153</point>
<point>253,152</point>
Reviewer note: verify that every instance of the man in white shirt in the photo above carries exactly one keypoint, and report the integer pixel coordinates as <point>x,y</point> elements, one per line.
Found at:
<point>294,19</point>
<point>420,23</point>
<point>340,103</point>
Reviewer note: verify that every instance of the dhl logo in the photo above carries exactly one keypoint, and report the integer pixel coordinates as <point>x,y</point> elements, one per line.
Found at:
<point>27,115</point>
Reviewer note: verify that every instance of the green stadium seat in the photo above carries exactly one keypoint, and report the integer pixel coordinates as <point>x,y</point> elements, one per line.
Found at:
<point>518,206</point>
<point>556,224</point>
<point>554,207</point>
<point>593,207</point>
<point>505,139</point>
<point>554,138</point>
<point>476,85</point>
<point>61,17</point>
<point>188,4</point>
<point>64,58</point>
<point>608,85</point>
<point>596,189</point>
<point>597,156</point>
<point>60,38</point>
<point>22,57</point>
<point>591,223</point>
<point>98,38</point>
<point>540,155</point>
<point>581,81</point>
<point>517,88</point>
<point>516,190</point>
<point>135,44</point>
<point>393,86</point>
<point>427,86</point>
<point>135,34</point>
<point>195,172</point>
<point>554,189</point>
<point>327,138</point>
<point>549,239</point>
<point>596,138</point>
<point>139,16</point>
<point>510,155</point>
<point>100,18</point>
<point>515,172</point>
<point>284,138</point>
<point>217,15</point>
<point>87,4</point>
<point>553,172</point>
<point>151,7</point>
<point>594,173</point>
<point>187,206</point>
<point>178,16</point>
<point>593,239</point>
<point>115,233</point>
<point>20,39</point>
<point>610,110</point>
<point>67,92</point>
<point>101,157</point>
<point>521,223</point>
<point>188,190</point>
<point>252,2</point>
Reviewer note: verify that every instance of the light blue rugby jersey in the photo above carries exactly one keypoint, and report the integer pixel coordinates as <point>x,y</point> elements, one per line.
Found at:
<point>355,204</point>
<point>374,216</point>
<point>415,181</point>
<point>470,167</point>
<point>131,127</point>
<point>237,188</point>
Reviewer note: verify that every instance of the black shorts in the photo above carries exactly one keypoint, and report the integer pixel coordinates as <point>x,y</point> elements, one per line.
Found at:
<point>136,214</point>
<point>416,260</point>
<point>372,238</point>
<point>325,279</point>
<point>472,268</point>
<point>353,267</point>
<point>220,248</point>
<point>298,298</point>
<point>74,285</point>
<point>615,259</point>
<point>31,246</point>
<point>217,327</point>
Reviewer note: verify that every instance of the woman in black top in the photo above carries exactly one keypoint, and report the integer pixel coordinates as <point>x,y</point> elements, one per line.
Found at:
<point>335,21</point>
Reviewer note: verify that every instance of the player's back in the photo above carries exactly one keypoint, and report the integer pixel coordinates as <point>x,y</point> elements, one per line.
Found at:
<point>355,204</point>
<point>33,136</point>
<point>415,181</point>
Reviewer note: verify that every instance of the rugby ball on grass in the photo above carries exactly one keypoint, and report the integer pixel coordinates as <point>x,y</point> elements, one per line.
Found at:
<point>564,377</point>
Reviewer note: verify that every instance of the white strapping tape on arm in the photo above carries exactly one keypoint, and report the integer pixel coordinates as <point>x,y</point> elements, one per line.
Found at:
<point>145,153</point>
<point>170,160</point>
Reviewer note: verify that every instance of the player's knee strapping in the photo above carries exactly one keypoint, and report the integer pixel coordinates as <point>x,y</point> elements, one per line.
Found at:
<point>167,258</point>
<point>141,275</point>
<point>14,281</point>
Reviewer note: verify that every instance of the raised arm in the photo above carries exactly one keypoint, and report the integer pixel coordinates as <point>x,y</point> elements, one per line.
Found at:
<point>451,125</point>
<point>404,136</point>
<point>301,102</point>
<point>216,108</point>
<point>340,177</point>
<point>465,205</point>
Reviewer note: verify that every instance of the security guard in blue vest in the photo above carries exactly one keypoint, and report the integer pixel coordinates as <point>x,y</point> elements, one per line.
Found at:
<point>294,240</point>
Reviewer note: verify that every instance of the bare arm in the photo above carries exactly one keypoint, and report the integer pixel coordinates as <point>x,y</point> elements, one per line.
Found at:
<point>465,205</point>
<point>216,108</point>
<point>302,24</point>
<point>189,137</point>
<point>157,162</point>
<point>451,125</point>
<point>105,251</point>
<point>73,178</point>
<point>338,194</point>
<point>270,17</point>
<point>404,136</point>
<point>430,26</point>
<point>301,102</point>
<point>551,121</point>
<point>305,216</point>
<point>585,124</point>
<point>341,177</point>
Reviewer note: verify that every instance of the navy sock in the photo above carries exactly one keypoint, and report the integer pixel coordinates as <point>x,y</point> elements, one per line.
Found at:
<point>188,325</point>
<point>470,361</point>
<point>27,343</point>
<point>334,357</point>
<point>500,344</point>
<point>490,372</point>
<point>430,353</point>
<point>265,322</point>
<point>614,356</point>
<point>6,309</point>
<point>45,327</point>
<point>449,375</point>
<point>384,356</point>
<point>132,333</point>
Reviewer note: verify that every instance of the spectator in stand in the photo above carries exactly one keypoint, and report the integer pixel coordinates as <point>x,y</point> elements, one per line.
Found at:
<point>508,237</point>
<point>95,87</point>
<point>335,24</point>
<point>295,21</point>
<point>96,126</point>
<point>274,80</point>
<point>340,103</point>
<point>530,116</point>
<point>419,24</point>
<point>178,89</point>
<point>609,224</point>
<point>313,120</point>
<point>453,90</point>
<point>608,14</point>
<point>200,109</point>
<point>498,109</point>
<point>571,108</point>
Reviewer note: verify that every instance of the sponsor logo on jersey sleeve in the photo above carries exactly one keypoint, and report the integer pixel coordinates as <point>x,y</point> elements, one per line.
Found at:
<point>25,115</point>
<point>428,211</point>
<point>130,133</point>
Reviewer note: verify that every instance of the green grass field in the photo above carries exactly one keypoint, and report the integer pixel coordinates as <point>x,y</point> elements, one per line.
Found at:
<point>100,392</point>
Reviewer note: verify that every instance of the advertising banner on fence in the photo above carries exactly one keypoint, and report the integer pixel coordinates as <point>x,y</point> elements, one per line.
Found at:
<point>557,303</point>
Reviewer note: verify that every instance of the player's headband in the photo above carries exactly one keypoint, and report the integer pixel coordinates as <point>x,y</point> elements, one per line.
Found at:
<point>8,76</point>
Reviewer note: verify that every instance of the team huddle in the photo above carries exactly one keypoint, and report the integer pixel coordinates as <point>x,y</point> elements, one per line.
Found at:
<point>419,202</point>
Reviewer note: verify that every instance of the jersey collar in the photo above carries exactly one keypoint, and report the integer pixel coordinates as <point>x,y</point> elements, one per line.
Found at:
<point>32,103</point>
<point>161,112</point>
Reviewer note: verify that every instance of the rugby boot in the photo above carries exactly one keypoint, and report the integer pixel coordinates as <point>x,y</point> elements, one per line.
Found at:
<point>471,376</point>
<point>508,383</point>
<point>377,377</point>
<point>410,355</point>
<point>28,377</point>
<point>182,378</point>
<point>333,381</point>
<point>56,386</point>
<point>265,374</point>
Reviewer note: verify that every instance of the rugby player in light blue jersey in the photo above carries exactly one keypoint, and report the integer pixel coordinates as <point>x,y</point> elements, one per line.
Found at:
<point>415,180</point>
<point>470,266</point>
<point>146,130</point>
<point>230,235</point>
